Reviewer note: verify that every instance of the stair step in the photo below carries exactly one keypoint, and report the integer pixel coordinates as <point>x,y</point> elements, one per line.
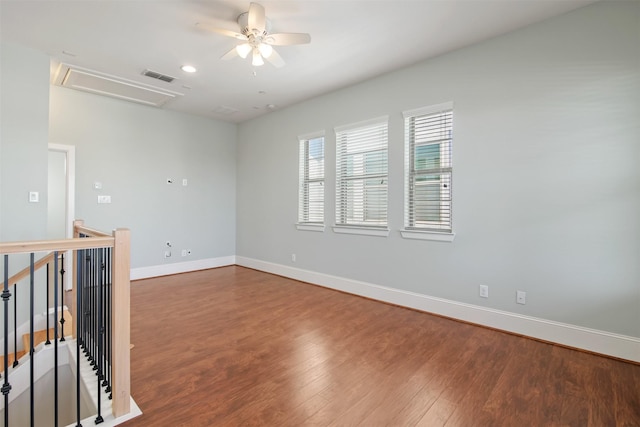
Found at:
<point>41,336</point>
<point>11,359</point>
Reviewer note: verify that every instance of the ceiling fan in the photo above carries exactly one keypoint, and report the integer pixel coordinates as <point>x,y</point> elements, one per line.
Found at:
<point>257,39</point>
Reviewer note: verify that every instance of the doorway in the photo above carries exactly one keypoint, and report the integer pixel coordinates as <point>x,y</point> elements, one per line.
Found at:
<point>61,196</point>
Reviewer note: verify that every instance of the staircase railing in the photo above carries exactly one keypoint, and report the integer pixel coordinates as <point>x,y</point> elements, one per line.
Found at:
<point>100,311</point>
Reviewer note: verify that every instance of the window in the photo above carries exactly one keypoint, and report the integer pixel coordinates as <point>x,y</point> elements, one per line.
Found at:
<point>362,178</point>
<point>428,169</point>
<point>311,184</point>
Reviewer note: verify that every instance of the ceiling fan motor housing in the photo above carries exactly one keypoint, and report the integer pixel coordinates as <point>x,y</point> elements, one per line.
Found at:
<point>243,21</point>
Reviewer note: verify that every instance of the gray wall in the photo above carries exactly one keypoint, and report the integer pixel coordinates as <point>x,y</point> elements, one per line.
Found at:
<point>547,187</point>
<point>546,177</point>
<point>132,149</point>
<point>24,128</point>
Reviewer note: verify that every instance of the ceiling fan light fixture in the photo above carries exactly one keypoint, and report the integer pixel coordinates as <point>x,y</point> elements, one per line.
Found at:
<point>243,50</point>
<point>257,39</point>
<point>257,59</point>
<point>265,50</point>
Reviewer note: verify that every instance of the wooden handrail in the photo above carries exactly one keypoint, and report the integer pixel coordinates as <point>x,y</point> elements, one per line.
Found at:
<point>91,232</point>
<point>27,270</point>
<point>56,245</point>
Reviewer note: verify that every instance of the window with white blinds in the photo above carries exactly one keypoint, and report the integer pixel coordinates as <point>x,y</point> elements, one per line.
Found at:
<point>428,168</point>
<point>311,183</point>
<point>362,177</point>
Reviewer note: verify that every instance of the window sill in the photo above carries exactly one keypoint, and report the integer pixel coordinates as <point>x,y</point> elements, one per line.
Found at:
<point>428,235</point>
<point>311,227</point>
<point>363,231</point>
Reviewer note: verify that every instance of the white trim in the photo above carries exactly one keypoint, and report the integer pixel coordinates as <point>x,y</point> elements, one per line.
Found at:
<point>311,135</point>
<point>607,343</point>
<point>362,124</point>
<point>70,153</point>
<point>363,231</point>
<point>180,267</point>
<point>445,106</point>
<point>310,227</point>
<point>428,235</point>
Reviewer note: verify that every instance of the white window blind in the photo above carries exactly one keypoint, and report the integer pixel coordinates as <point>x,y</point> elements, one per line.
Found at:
<point>428,168</point>
<point>361,182</point>
<point>311,183</point>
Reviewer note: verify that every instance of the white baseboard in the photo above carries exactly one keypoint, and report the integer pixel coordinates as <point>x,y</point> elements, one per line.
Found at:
<point>607,343</point>
<point>180,267</point>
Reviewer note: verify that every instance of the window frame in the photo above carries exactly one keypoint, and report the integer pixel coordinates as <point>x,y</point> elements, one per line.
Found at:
<point>441,229</point>
<point>358,159</point>
<point>304,180</point>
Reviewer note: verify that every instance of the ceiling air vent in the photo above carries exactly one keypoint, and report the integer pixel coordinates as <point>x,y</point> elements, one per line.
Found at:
<point>103,84</point>
<point>224,110</point>
<point>159,76</point>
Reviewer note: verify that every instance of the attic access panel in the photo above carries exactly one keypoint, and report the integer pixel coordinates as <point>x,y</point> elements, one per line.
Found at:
<point>103,84</point>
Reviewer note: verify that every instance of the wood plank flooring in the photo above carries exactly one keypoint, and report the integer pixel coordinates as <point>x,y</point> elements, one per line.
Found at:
<point>236,347</point>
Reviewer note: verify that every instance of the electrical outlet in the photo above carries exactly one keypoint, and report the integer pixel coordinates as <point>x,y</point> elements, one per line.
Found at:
<point>293,257</point>
<point>184,252</point>
<point>521,297</point>
<point>167,254</point>
<point>484,291</point>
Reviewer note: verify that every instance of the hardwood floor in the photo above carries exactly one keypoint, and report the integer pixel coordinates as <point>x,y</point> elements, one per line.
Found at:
<point>236,347</point>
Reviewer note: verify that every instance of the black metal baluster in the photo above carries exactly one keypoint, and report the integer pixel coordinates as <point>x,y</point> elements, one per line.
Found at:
<point>62,339</point>
<point>99,283</point>
<point>79,309</point>
<point>55,336</point>
<point>6,295</point>
<point>15,325</point>
<point>107,379</point>
<point>87,305</point>
<point>84,302</point>
<point>94,310</point>
<point>48,341</point>
<point>31,332</point>
<point>96,319</point>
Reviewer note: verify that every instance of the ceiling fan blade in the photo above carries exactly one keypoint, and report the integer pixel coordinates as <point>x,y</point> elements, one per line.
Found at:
<point>222,31</point>
<point>256,19</point>
<point>230,55</point>
<point>285,39</point>
<point>275,59</point>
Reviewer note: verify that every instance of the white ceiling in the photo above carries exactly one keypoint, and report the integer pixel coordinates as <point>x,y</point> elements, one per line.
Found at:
<point>351,41</point>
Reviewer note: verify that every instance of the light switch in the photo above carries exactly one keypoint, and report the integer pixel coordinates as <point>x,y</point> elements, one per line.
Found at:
<point>97,185</point>
<point>104,199</point>
<point>34,197</point>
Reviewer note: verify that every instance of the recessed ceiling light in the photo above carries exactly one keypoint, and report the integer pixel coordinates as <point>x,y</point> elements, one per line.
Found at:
<point>188,68</point>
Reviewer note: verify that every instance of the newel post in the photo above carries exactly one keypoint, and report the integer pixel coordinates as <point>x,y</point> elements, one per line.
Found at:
<point>73,302</point>
<point>120,322</point>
